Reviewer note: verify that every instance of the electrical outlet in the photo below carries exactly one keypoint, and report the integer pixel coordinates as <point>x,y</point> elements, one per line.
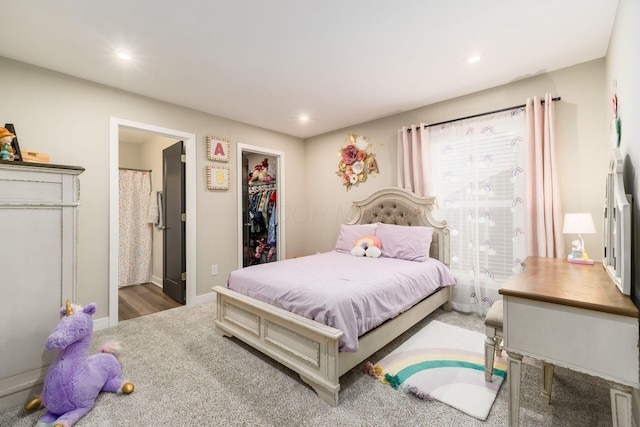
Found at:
<point>214,270</point>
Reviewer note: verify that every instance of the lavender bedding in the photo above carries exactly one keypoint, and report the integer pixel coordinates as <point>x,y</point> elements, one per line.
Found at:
<point>352,294</point>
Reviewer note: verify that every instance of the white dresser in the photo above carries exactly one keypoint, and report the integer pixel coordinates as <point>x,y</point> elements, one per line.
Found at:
<point>38,228</point>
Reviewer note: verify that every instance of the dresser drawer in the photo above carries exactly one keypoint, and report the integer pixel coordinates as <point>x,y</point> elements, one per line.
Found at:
<point>30,187</point>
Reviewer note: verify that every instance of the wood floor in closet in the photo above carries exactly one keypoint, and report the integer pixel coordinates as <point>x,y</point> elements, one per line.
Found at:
<point>140,300</point>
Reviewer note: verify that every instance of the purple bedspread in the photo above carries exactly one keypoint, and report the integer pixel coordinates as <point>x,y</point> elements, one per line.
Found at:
<point>352,294</point>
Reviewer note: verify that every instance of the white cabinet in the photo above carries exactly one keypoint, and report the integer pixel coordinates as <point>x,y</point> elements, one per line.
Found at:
<point>38,228</point>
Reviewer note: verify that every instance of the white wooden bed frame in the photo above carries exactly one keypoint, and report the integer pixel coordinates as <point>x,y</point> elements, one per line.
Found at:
<point>310,348</point>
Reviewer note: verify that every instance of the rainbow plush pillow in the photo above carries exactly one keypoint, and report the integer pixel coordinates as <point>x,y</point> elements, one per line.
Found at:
<point>369,246</point>
<point>349,233</point>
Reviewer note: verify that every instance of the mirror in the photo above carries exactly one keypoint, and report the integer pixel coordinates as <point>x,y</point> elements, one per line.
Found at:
<point>617,227</point>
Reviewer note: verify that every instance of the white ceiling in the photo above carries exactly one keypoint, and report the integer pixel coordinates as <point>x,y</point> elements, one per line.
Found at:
<point>342,62</point>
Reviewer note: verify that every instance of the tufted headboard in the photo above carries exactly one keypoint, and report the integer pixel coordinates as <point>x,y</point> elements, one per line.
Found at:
<point>398,206</point>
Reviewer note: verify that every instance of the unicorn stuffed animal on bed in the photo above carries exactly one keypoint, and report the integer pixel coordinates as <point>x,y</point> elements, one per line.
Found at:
<point>74,380</point>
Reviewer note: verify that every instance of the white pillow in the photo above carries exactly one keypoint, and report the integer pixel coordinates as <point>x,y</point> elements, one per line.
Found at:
<point>405,242</point>
<point>350,233</point>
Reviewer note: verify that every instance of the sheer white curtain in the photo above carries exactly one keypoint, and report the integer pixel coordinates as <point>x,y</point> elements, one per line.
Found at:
<point>414,171</point>
<point>544,210</point>
<point>478,178</point>
<point>134,260</point>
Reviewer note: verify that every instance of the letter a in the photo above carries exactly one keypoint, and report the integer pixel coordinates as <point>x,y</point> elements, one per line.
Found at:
<point>219,151</point>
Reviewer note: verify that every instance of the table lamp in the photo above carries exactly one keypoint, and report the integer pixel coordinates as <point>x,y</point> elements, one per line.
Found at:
<point>578,223</point>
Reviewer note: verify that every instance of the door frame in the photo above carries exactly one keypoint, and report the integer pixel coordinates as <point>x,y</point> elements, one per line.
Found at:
<point>114,215</point>
<point>280,211</point>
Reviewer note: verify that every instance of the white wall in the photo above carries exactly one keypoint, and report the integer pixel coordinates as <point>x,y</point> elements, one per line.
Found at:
<point>623,67</point>
<point>582,149</point>
<point>129,155</point>
<point>68,118</point>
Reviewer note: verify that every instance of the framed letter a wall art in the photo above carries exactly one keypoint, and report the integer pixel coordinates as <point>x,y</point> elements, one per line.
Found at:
<point>218,177</point>
<point>218,149</point>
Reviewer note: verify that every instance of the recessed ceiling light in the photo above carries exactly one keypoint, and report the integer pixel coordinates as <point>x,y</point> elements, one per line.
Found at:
<point>303,118</point>
<point>473,59</point>
<point>123,55</point>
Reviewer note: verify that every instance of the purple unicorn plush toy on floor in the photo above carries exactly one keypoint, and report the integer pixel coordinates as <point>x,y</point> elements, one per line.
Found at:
<point>74,380</point>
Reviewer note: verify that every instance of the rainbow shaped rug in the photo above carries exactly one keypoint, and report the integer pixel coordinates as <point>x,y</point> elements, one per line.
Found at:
<point>444,363</point>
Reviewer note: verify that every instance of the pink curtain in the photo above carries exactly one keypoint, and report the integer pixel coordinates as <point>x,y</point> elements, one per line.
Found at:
<point>414,165</point>
<point>544,211</point>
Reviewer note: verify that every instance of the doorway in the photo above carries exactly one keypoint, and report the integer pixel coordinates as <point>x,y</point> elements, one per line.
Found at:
<point>118,126</point>
<point>248,157</point>
<point>151,204</point>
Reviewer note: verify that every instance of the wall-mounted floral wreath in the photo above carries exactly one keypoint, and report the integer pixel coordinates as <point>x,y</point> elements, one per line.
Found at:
<point>357,160</point>
<point>616,125</point>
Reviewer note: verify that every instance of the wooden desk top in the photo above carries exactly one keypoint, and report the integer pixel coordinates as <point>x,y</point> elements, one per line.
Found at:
<point>557,281</point>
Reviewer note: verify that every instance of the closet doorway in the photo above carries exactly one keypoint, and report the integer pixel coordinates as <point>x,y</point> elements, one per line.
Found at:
<point>260,205</point>
<point>137,152</point>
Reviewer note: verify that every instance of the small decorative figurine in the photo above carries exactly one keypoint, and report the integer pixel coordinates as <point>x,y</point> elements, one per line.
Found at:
<point>6,152</point>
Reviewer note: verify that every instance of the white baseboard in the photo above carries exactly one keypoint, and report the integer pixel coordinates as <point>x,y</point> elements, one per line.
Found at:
<point>156,280</point>
<point>201,299</point>
<point>102,323</point>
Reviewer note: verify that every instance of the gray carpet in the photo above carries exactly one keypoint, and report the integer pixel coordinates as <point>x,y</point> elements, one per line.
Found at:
<point>187,375</point>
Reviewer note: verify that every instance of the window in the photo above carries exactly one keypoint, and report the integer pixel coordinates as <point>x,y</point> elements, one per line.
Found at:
<point>477,177</point>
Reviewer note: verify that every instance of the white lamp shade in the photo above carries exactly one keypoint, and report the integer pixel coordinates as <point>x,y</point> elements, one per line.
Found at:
<point>578,223</point>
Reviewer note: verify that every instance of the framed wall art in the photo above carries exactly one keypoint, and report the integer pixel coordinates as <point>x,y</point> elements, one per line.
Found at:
<point>218,149</point>
<point>218,177</point>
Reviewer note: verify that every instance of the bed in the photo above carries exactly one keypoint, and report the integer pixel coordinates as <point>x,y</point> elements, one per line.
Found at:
<point>312,349</point>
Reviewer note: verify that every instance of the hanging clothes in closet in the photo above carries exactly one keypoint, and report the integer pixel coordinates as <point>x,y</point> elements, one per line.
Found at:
<point>263,223</point>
